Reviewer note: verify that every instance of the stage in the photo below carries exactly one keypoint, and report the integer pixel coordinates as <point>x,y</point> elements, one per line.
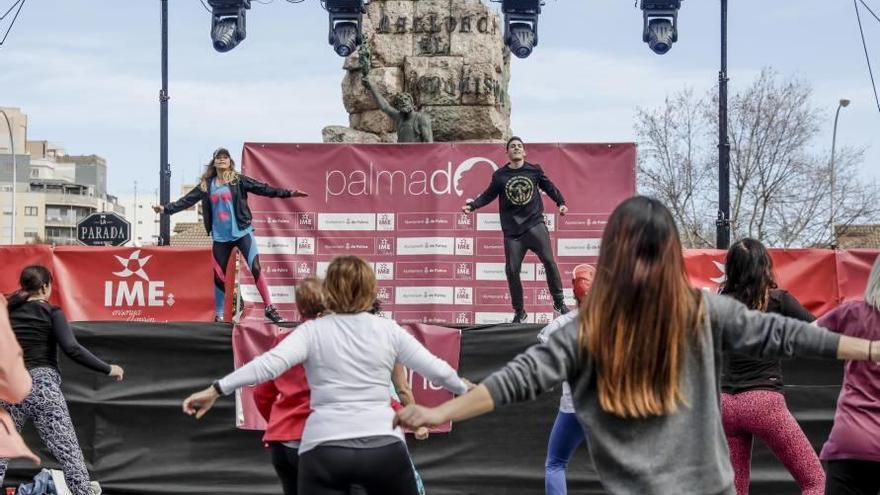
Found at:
<point>137,441</point>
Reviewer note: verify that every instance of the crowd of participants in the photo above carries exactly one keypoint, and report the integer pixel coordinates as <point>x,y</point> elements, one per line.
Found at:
<point>650,367</point>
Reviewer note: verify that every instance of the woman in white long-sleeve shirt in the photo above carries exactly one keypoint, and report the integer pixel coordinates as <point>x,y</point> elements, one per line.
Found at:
<point>348,357</point>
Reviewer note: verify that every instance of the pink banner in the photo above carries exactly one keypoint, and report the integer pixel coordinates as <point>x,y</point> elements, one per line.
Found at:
<point>254,336</point>
<point>399,207</point>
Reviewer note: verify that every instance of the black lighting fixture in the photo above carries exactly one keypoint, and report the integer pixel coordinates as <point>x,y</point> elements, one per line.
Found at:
<point>345,25</point>
<point>660,24</point>
<point>228,23</point>
<point>521,25</point>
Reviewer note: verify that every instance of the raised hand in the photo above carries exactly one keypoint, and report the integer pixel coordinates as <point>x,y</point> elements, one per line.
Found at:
<point>159,208</point>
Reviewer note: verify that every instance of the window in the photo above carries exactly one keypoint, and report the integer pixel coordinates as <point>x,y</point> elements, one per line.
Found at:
<point>7,210</point>
<point>140,222</point>
<point>30,234</point>
<point>31,211</point>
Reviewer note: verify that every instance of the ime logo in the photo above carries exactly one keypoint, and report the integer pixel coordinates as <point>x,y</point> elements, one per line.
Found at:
<point>306,219</point>
<point>135,288</point>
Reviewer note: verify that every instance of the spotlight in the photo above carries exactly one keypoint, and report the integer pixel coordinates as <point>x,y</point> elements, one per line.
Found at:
<point>345,25</point>
<point>228,23</point>
<point>521,25</point>
<point>660,24</point>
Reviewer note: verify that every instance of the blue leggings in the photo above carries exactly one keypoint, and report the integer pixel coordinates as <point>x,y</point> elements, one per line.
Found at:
<point>565,438</point>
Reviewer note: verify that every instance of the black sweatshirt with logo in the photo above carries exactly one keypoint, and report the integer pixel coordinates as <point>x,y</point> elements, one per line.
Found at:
<point>744,373</point>
<point>520,201</point>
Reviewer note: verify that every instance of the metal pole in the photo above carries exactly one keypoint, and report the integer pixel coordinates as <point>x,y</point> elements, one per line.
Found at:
<point>722,223</point>
<point>164,166</point>
<point>14,175</point>
<point>833,180</point>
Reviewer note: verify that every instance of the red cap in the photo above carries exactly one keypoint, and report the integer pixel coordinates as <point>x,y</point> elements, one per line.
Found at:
<point>582,280</point>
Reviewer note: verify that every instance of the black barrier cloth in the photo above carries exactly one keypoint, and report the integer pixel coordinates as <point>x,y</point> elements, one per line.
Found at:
<point>137,441</point>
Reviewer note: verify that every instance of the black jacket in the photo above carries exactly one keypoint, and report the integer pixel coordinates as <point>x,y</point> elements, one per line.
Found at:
<point>239,190</point>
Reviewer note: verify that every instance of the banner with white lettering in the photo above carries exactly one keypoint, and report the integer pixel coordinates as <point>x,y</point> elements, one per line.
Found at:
<point>150,284</point>
<point>399,207</point>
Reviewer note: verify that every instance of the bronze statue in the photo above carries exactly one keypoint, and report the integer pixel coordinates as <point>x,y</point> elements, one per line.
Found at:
<point>412,126</point>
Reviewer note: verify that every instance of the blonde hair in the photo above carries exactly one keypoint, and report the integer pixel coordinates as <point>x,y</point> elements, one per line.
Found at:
<point>310,298</point>
<point>872,290</point>
<point>229,176</point>
<point>350,285</point>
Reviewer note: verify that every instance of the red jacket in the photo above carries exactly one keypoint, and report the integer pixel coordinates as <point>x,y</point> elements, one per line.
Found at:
<point>284,403</point>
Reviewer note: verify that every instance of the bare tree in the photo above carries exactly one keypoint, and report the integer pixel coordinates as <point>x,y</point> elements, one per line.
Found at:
<point>673,164</point>
<point>780,187</point>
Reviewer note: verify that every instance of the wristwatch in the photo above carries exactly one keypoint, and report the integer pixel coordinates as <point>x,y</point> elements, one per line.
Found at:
<point>216,387</point>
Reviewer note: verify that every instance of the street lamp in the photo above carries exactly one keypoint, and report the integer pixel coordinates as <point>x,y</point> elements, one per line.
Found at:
<point>14,177</point>
<point>842,104</point>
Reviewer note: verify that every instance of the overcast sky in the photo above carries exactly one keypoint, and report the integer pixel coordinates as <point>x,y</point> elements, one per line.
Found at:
<point>87,74</point>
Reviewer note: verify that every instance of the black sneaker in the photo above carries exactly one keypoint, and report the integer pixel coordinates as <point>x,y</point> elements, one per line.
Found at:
<point>218,319</point>
<point>561,308</point>
<point>519,316</point>
<point>272,313</point>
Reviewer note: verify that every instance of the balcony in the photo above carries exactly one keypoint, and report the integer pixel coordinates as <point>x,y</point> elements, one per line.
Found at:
<point>61,221</point>
<point>72,200</point>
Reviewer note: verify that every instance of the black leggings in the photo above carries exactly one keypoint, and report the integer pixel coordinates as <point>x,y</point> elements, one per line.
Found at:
<point>334,470</point>
<point>286,463</point>
<point>285,460</point>
<point>536,240</point>
<point>852,477</point>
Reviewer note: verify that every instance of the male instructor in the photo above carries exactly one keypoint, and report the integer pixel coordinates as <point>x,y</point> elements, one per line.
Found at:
<point>522,221</point>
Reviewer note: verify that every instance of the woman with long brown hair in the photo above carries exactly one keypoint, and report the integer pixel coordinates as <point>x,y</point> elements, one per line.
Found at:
<point>227,217</point>
<point>643,360</point>
<point>348,356</point>
<point>752,404</point>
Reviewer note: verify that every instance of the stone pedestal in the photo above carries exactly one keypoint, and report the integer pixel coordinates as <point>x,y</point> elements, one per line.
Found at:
<point>448,54</point>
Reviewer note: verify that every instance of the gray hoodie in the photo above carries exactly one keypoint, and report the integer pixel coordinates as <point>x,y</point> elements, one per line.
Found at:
<point>682,453</point>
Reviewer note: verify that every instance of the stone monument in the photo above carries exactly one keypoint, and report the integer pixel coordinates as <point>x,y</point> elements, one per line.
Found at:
<point>447,54</point>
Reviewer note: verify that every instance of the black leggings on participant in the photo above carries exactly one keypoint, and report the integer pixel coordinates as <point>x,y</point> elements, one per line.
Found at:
<point>536,240</point>
<point>286,463</point>
<point>380,471</point>
<point>852,477</point>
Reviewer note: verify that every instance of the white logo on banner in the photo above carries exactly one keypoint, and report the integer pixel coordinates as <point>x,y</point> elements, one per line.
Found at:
<point>143,292</point>
<point>578,247</point>
<point>423,295</point>
<point>550,221</point>
<point>346,221</point>
<point>385,221</point>
<point>305,245</point>
<point>384,270</point>
<point>493,318</point>
<point>464,295</point>
<point>425,245</point>
<point>488,221</point>
<point>276,245</point>
<point>464,246</point>
<point>281,294</point>
<point>372,182</point>
<point>495,271</point>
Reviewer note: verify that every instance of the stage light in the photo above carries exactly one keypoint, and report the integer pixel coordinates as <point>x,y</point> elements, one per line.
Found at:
<point>345,25</point>
<point>660,28</point>
<point>521,25</point>
<point>228,23</point>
